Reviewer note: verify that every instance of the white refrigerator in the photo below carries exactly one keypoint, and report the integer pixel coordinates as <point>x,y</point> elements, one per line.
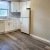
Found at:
<point>25,21</point>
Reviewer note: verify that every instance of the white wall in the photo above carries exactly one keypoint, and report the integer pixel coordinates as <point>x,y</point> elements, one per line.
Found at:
<point>41,18</point>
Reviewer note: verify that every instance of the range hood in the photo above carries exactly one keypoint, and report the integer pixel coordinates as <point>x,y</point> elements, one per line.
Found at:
<point>16,14</point>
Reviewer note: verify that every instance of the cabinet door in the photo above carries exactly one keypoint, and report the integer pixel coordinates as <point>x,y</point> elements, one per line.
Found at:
<point>2,26</point>
<point>15,7</point>
<point>28,4</point>
<point>17,24</point>
<point>25,25</point>
<point>22,8</point>
<point>7,24</point>
<point>11,25</point>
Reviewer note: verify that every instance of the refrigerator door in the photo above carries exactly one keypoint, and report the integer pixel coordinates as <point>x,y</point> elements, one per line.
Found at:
<point>25,25</point>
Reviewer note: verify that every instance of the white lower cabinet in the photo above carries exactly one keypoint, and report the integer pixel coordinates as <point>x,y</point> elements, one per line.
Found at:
<point>11,25</point>
<point>8,25</point>
<point>2,26</point>
<point>16,24</point>
<point>25,25</point>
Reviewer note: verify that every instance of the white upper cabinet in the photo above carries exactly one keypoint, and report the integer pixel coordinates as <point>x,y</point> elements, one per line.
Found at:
<point>22,6</point>
<point>15,7</point>
<point>28,4</point>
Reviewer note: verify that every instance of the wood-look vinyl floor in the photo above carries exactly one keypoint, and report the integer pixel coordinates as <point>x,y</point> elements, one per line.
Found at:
<point>20,41</point>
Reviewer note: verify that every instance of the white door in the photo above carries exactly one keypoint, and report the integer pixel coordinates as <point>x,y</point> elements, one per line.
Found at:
<point>25,25</point>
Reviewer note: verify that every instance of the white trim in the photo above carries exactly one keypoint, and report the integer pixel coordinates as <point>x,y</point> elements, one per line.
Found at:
<point>39,38</point>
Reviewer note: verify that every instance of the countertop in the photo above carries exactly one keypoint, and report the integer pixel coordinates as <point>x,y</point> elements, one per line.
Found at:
<point>5,19</point>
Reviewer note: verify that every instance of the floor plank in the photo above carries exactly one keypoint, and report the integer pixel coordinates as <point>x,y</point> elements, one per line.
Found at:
<point>19,41</point>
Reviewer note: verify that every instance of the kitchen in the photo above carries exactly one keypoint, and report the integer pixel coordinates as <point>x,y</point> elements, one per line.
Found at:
<point>17,14</point>
<point>24,25</point>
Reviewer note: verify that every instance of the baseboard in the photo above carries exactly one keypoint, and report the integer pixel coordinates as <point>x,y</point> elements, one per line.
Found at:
<point>24,33</point>
<point>41,39</point>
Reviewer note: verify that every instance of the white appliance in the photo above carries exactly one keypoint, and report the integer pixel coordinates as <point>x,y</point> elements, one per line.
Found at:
<point>25,21</point>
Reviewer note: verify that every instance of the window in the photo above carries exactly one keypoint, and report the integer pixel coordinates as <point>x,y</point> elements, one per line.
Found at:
<point>4,7</point>
<point>3,12</point>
